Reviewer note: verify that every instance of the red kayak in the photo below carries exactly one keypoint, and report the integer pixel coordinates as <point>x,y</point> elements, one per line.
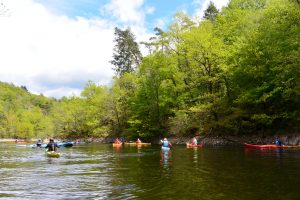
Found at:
<point>267,146</point>
<point>189,145</point>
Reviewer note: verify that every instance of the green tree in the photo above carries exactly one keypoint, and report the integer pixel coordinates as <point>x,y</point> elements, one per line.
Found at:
<point>267,71</point>
<point>211,12</point>
<point>98,121</point>
<point>154,98</point>
<point>126,55</point>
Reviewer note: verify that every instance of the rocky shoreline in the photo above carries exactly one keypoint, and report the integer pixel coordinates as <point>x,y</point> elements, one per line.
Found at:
<point>292,139</point>
<point>210,140</point>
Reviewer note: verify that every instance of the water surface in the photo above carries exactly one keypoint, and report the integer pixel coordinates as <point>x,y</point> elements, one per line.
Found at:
<point>98,171</point>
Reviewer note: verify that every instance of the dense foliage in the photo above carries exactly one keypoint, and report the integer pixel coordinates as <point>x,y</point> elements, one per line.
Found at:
<point>236,71</point>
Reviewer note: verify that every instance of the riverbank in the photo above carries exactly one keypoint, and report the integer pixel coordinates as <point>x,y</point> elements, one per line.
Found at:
<point>291,139</point>
<point>12,140</point>
<point>210,140</point>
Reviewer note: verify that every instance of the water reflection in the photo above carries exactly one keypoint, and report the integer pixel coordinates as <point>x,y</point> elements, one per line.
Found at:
<point>195,157</point>
<point>117,148</point>
<point>165,157</point>
<point>266,152</point>
<point>96,171</point>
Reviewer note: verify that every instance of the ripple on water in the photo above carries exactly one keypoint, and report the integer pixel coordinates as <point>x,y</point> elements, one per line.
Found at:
<point>100,172</point>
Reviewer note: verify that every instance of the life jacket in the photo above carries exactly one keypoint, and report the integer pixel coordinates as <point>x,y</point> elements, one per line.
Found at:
<point>165,143</point>
<point>52,147</point>
<point>195,142</point>
<point>278,142</point>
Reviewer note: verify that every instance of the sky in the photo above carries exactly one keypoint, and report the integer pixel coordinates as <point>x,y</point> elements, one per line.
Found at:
<point>54,47</point>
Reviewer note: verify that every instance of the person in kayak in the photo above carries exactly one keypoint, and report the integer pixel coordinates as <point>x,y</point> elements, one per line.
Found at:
<point>52,146</point>
<point>118,141</point>
<point>166,143</point>
<point>39,143</point>
<point>278,142</point>
<point>194,141</point>
<point>138,140</point>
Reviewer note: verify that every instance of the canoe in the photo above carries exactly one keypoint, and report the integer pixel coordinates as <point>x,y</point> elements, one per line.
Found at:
<point>189,145</point>
<point>165,148</point>
<point>268,146</point>
<point>53,154</point>
<point>117,144</point>
<point>137,144</point>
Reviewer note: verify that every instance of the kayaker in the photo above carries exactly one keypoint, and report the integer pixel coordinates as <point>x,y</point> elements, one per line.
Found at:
<point>138,140</point>
<point>194,141</point>
<point>118,141</point>
<point>166,143</point>
<point>278,142</point>
<point>52,146</point>
<point>39,143</point>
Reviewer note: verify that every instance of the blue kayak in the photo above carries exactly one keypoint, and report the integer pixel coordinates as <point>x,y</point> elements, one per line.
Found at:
<point>61,144</point>
<point>65,144</point>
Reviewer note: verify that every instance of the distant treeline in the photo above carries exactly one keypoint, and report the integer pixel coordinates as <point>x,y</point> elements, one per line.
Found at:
<point>232,72</point>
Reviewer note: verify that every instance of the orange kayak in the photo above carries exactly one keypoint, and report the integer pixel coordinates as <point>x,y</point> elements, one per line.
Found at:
<point>117,144</point>
<point>189,145</point>
<point>268,146</point>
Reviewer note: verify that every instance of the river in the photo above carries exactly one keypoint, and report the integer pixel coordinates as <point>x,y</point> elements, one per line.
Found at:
<point>100,171</point>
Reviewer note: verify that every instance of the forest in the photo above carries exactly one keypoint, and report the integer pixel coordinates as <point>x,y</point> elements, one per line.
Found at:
<point>232,72</point>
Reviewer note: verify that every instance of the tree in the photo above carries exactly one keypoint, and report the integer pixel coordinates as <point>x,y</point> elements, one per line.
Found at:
<point>266,75</point>
<point>97,119</point>
<point>126,56</point>
<point>211,12</point>
<point>154,97</point>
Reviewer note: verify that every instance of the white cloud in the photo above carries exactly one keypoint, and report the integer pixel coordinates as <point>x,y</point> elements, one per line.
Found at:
<point>56,55</point>
<point>63,91</point>
<point>130,12</point>
<point>125,11</point>
<point>160,23</point>
<point>204,4</point>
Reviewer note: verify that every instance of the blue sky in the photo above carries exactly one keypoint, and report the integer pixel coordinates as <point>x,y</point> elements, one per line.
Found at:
<point>55,47</point>
<point>92,8</point>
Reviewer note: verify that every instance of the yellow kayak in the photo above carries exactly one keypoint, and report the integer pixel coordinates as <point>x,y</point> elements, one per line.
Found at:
<point>53,154</point>
<point>137,144</point>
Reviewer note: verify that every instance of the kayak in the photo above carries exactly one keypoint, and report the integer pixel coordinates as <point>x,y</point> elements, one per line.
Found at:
<point>117,144</point>
<point>268,146</point>
<point>189,145</point>
<point>137,144</point>
<point>165,148</point>
<point>65,144</point>
<point>35,146</point>
<point>53,154</point>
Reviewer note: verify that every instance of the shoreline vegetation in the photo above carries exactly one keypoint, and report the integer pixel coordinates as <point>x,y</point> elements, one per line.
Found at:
<point>212,140</point>
<point>231,77</point>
